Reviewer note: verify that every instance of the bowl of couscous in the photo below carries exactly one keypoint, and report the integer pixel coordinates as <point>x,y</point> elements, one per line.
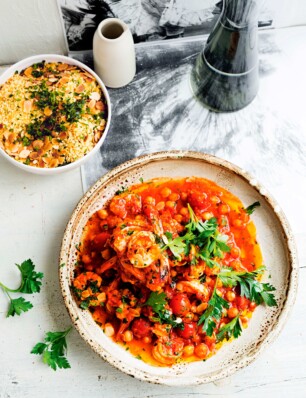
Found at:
<point>54,114</point>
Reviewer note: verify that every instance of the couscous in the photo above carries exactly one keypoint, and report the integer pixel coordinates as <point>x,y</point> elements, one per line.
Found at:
<point>51,114</point>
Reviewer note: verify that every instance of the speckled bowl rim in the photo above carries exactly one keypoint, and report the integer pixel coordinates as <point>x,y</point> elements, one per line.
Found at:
<point>25,63</point>
<point>290,251</point>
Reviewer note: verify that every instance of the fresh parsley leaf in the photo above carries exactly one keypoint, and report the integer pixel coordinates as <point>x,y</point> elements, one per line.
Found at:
<point>213,313</point>
<point>17,306</point>
<point>250,287</point>
<point>250,209</point>
<point>53,349</point>
<point>231,329</point>
<point>157,301</point>
<point>177,245</point>
<point>30,283</point>
<point>31,280</point>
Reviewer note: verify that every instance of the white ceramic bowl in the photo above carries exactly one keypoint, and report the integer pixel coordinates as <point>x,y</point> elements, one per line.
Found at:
<point>19,66</point>
<point>274,236</point>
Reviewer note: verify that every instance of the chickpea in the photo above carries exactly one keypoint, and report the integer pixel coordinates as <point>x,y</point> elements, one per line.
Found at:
<point>165,192</point>
<point>160,206</point>
<point>102,214</point>
<point>196,338</point>
<point>170,204</point>
<point>244,321</point>
<point>178,218</point>
<point>127,336</point>
<point>238,223</point>
<point>224,208</point>
<point>149,200</point>
<point>215,199</point>
<point>184,195</point>
<point>201,350</point>
<point>207,215</point>
<point>188,350</point>
<point>174,197</point>
<point>147,340</point>
<point>232,312</point>
<point>106,254</point>
<point>86,258</point>
<point>109,330</point>
<point>230,296</point>
<point>235,252</point>
<point>184,211</point>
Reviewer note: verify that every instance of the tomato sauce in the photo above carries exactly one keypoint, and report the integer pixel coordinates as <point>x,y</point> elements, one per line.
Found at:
<point>149,262</point>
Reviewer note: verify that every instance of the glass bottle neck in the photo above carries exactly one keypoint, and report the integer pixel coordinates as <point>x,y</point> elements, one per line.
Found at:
<point>239,14</point>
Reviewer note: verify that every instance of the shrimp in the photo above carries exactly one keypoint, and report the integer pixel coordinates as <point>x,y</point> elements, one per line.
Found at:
<point>159,273</point>
<point>107,265</point>
<point>121,238</point>
<point>195,287</point>
<point>142,249</point>
<point>153,215</point>
<point>84,279</point>
<point>168,350</point>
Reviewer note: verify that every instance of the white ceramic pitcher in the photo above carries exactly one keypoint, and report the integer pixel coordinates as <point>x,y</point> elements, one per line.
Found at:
<point>114,53</point>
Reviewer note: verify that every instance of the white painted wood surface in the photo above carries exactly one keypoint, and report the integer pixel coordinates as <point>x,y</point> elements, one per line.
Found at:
<point>33,214</point>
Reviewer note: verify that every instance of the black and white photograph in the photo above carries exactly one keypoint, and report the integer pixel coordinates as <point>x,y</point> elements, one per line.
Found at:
<point>148,20</point>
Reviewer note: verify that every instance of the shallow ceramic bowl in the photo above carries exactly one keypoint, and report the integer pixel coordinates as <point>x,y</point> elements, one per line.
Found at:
<point>274,236</point>
<point>21,65</point>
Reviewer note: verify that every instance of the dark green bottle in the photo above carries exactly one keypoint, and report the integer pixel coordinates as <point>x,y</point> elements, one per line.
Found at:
<point>225,76</point>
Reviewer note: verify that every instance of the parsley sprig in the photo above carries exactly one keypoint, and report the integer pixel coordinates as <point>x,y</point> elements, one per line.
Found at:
<point>177,245</point>
<point>202,235</point>
<point>53,349</point>
<point>30,283</point>
<point>250,287</point>
<point>231,329</point>
<point>213,313</point>
<point>157,301</point>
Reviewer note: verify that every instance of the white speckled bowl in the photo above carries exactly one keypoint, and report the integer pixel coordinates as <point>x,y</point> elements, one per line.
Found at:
<point>274,236</point>
<point>19,66</point>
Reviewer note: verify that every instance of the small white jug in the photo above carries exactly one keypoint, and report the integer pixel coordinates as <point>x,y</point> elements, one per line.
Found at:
<point>114,53</point>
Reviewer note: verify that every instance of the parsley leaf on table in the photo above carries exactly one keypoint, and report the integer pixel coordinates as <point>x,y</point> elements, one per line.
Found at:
<point>250,209</point>
<point>30,283</point>
<point>231,329</point>
<point>53,349</point>
<point>250,287</point>
<point>17,306</point>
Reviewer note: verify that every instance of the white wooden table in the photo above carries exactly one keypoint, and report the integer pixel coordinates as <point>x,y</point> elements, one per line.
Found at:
<point>33,214</point>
